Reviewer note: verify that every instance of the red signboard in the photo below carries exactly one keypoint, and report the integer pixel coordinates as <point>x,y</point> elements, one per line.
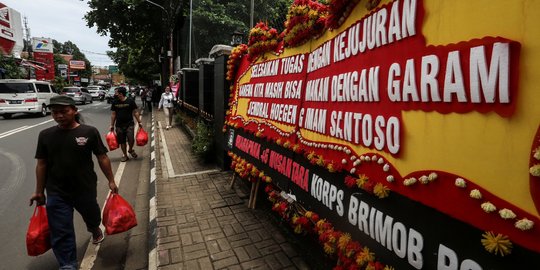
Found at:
<point>48,60</point>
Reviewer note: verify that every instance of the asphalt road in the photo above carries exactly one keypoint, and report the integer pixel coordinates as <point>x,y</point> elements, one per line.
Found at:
<point>18,139</point>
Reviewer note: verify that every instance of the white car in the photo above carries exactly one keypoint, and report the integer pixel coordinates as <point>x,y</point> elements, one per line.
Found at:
<point>25,96</point>
<point>79,94</point>
<point>95,91</point>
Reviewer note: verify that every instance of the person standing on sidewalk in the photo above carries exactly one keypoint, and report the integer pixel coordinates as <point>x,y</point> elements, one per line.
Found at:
<point>148,99</point>
<point>167,103</point>
<point>124,110</point>
<point>66,170</point>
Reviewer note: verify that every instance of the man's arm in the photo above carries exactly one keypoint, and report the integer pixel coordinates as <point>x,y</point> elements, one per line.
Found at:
<point>105,165</point>
<point>137,116</point>
<point>113,120</point>
<point>41,176</point>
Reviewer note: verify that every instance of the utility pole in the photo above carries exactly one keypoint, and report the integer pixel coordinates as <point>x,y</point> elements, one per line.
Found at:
<point>170,29</point>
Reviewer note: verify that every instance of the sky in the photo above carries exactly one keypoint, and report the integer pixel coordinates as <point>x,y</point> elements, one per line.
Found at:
<point>63,20</point>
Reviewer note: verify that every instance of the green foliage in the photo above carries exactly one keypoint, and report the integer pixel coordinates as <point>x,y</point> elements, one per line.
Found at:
<point>214,21</point>
<point>202,144</point>
<point>59,83</point>
<point>12,69</point>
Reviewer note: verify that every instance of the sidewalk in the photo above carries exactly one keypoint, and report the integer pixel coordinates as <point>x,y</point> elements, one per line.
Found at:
<point>200,223</point>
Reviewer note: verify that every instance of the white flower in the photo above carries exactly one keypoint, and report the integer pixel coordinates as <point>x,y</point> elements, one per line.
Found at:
<point>353,170</point>
<point>357,162</point>
<point>409,181</point>
<point>343,161</point>
<point>423,179</point>
<point>374,158</point>
<point>390,178</point>
<point>432,176</point>
<point>488,207</point>
<point>348,151</point>
<point>380,161</point>
<point>386,167</point>
<point>362,158</point>
<point>460,182</point>
<point>537,153</point>
<point>524,224</point>
<point>475,194</point>
<point>353,158</point>
<point>507,214</point>
<point>367,159</point>
<point>535,170</point>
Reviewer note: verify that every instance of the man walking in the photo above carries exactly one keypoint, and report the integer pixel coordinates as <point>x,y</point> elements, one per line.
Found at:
<point>66,170</point>
<point>124,109</point>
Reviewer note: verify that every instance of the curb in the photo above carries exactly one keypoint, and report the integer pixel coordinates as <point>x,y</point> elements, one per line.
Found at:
<point>152,215</point>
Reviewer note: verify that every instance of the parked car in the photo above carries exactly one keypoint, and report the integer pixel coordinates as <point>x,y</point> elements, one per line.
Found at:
<point>79,94</point>
<point>111,94</point>
<point>96,91</point>
<point>24,96</point>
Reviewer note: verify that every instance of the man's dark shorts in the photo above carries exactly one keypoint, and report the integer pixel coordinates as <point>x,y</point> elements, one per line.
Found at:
<point>125,132</point>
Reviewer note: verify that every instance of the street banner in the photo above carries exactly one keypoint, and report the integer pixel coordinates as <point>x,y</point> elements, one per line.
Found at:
<point>43,45</point>
<point>407,125</point>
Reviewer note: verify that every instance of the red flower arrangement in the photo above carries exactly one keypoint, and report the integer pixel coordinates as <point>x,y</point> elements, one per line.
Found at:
<point>349,254</point>
<point>338,11</point>
<point>306,19</point>
<point>234,60</point>
<point>262,39</point>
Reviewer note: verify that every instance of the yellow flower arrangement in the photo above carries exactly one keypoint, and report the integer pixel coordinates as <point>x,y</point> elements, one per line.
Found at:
<point>496,244</point>
<point>381,191</point>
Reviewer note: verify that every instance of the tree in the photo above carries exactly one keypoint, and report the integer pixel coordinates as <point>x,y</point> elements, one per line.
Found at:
<point>214,21</point>
<point>139,30</point>
<point>11,69</point>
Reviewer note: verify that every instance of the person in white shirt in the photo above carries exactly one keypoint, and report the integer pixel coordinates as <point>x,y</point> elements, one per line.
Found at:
<point>167,103</point>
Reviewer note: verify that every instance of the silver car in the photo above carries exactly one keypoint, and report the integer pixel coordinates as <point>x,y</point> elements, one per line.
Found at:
<point>79,94</point>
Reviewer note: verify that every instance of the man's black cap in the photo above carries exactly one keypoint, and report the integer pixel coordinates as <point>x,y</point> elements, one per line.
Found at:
<point>61,100</point>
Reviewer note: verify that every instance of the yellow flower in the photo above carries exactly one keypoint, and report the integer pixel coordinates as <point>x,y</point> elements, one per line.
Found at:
<point>364,256</point>
<point>344,241</point>
<point>388,267</point>
<point>362,180</point>
<point>496,244</point>
<point>381,191</point>
<point>308,214</point>
<point>329,249</point>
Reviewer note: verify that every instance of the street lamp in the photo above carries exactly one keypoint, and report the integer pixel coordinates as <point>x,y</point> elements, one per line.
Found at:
<point>170,29</point>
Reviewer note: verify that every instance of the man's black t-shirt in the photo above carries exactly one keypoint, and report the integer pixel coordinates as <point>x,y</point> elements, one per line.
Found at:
<point>68,154</point>
<point>124,111</point>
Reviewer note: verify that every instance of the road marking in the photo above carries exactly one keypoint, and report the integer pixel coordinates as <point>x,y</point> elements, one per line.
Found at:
<point>170,169</point>
<point>23,128</point>
<point>92,250</point>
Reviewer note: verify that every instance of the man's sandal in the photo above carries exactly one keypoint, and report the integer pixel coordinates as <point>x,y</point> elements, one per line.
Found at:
<point>98,236</point>
<point>133,154</point>
<point>124,159</point>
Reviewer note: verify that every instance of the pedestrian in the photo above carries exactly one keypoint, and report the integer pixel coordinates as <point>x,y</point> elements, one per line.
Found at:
<point>167,103</point>
<point>143,98</point>
<point>148,99</point>
<point>124,110</point>
<point>66,171</point>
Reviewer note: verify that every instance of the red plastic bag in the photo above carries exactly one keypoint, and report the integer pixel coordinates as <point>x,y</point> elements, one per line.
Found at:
<point>142,137</point>
<point>111,140</point>
<point>118,215</point>
<point>38,238</point>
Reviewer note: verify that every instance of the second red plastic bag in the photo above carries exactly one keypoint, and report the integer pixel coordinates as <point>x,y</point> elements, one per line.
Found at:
<point>112,142</point>
<point>142,137</point>
<point>38,239</point>
<point>118,215</point>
